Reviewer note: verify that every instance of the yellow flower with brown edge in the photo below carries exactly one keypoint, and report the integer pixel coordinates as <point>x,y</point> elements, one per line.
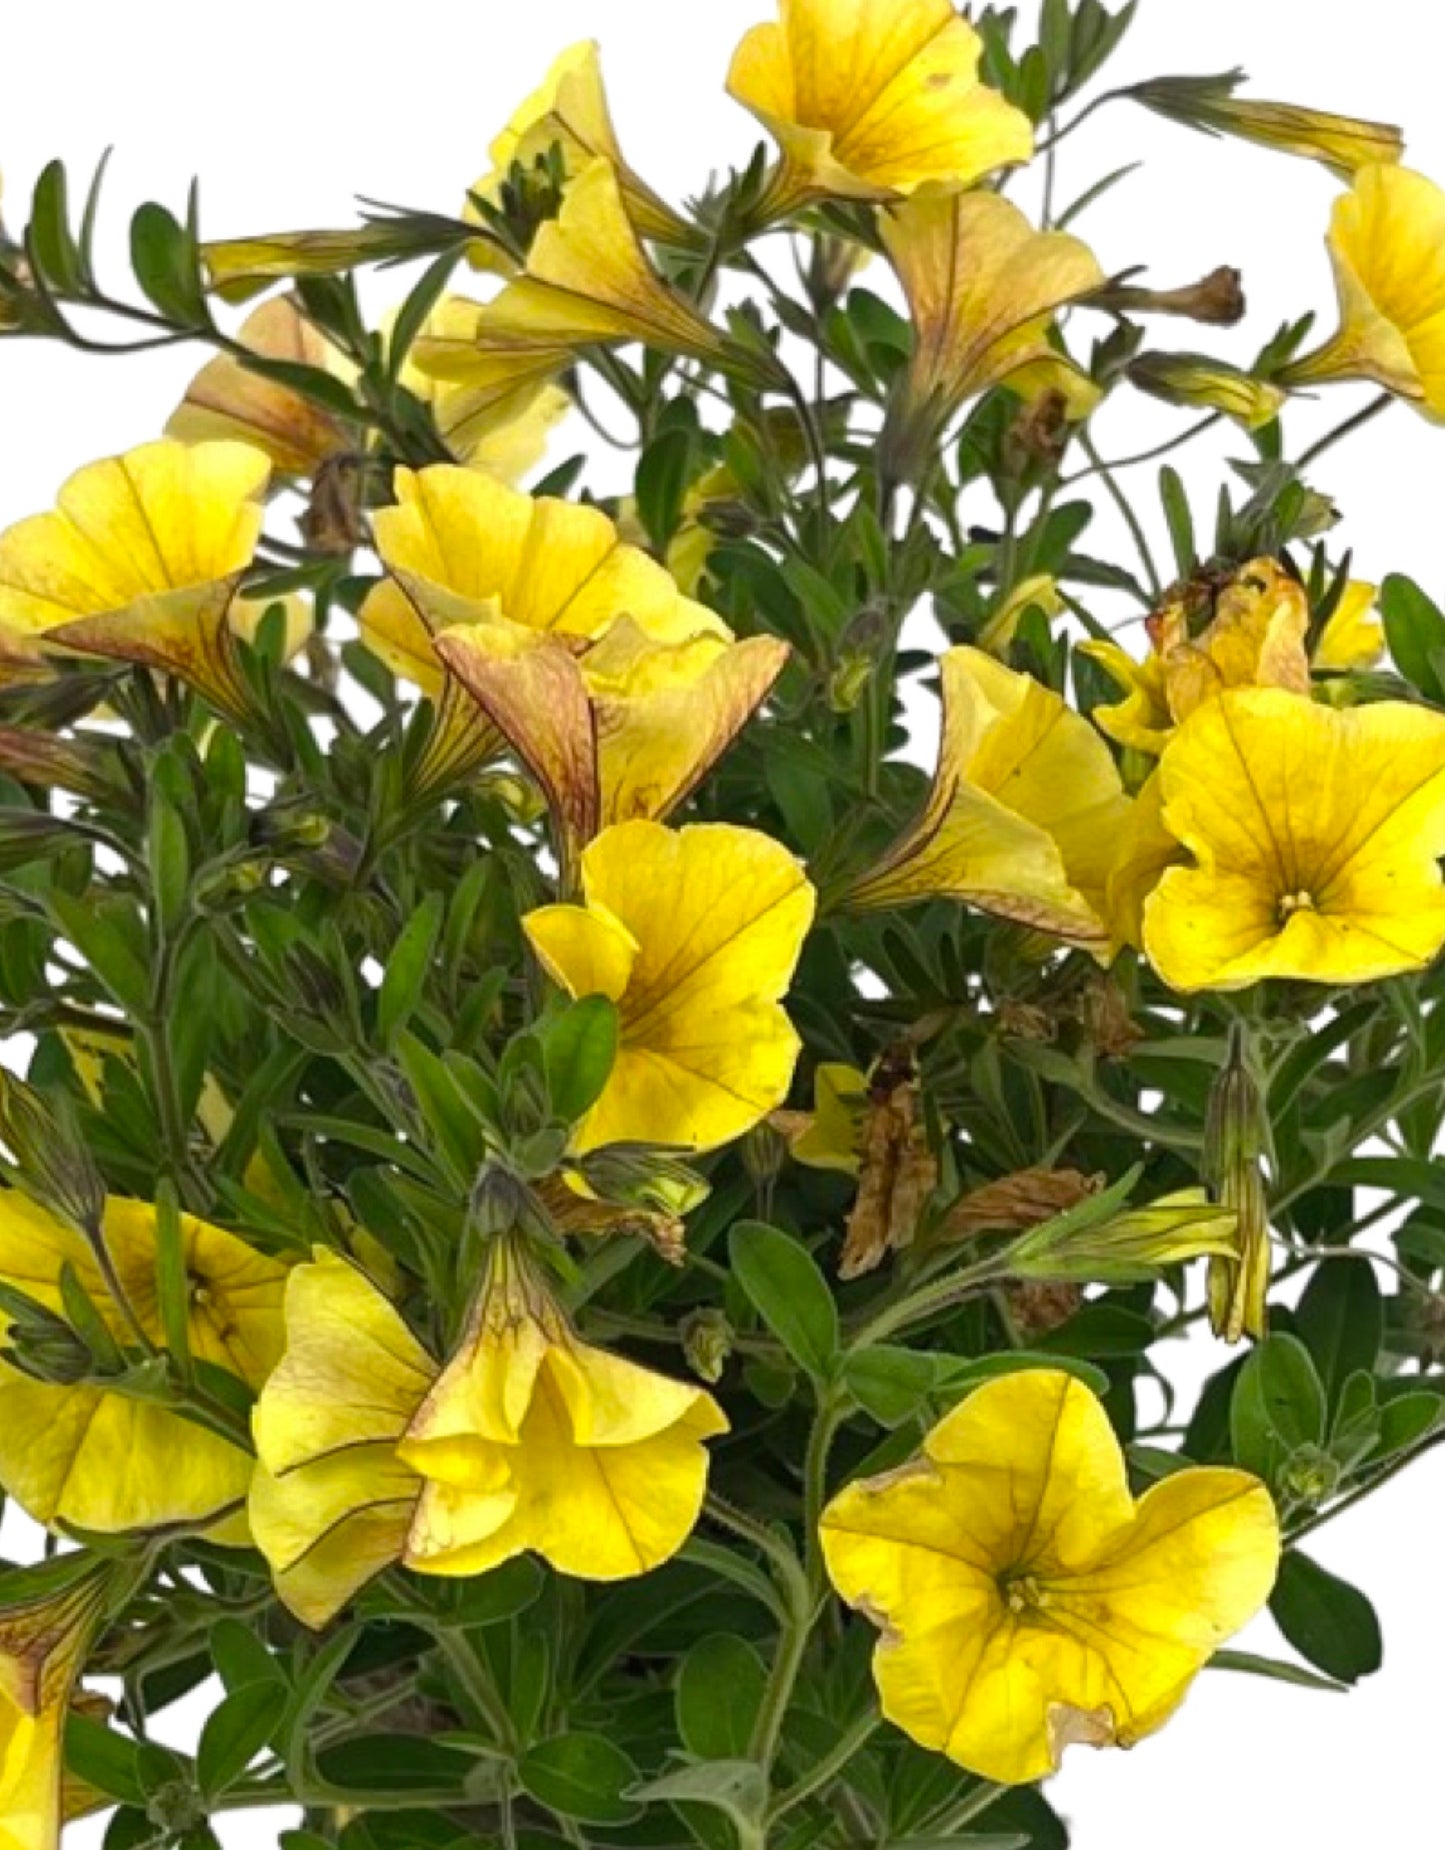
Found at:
<point>569,112</point>
<point>46,1630</point>
<point>588,282</point>
<point>462,548</point>
<point>694,934</point>
<point>141,561</point>
<point>982,287</point>
<point>1023,814</point>
<point>627,729</point>
<point>1353,638</point>
<point>1027,1600</point>
<point>1316,837</point>
<point>870,99</point>
<point>529,1440</point>
<point>89,1456</point>
<point>1255,636</point>
<point>227,401</point>
<point>1387,246</point>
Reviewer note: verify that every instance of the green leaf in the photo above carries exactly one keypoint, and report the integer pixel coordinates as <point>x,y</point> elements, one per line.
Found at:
<point>581,1776</point>
<point>448,1117</point>
<point>1275,1669</point>
<point>51,245</point>
<point>1326,1619</point>
<point>1407,1418</point>
<point>992,1840</point>
<point>1415,631</point>
<point>1101,1330</point>
<point>1278,1405</point>
<point>242,1660</point>
<point>890,1384</point>
<point>104,1758</point>
<point>719,1693</point>
<point>406,970</point>
<point>170,861</point>
<point>1341,1321</point>
<point>737,1787</point>
<point>662,478</point>
<point>167,266</point>
<point>98,937</point>
<point>235,1732</point>
<point>789,1293</point>
<point>173,1283</point>
<point>1181,521</point>
<point>579,1050</point>
<point>387,1763</point>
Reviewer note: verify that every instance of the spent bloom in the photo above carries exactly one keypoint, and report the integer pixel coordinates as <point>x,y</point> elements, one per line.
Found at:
<point>1026,1599</point>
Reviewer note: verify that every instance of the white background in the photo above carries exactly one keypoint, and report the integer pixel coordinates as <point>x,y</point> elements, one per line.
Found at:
<point>286,110</point>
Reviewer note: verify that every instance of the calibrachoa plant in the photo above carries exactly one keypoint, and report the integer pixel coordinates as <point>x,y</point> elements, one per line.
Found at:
<point>599,1246</point>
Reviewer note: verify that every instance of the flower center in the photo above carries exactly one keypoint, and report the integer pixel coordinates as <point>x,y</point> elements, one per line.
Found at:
<point>1023,1593</point>
<point>1292,903</point>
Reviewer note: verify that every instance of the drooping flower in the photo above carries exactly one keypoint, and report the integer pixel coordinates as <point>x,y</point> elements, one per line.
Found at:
<point>45,1634</point>
<point>1387,245</point>
<point>228,402</point>
<point>625,730</point>
<point>463,548</point>
<point>1027,1600</point>
<point>1023,814</point>
<point>89,1455</point>
<point>588,281</point>
<point>869,99</point>
<point>141,561</point>
<point>529,1440</point>
<point>694,934</point>
<point>1316,836</point>
<point>982,288</point>
<point>1354,637</point>
<point>568,111</point>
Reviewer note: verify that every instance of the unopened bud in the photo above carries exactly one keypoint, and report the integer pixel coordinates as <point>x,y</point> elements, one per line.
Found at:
<point>47,1159</point>
<point>848,682</point>
<point>1236,1141</point>
<point>1343,143</point>
<point>707,1342</point>
<point>1217,300</point>
<point>1126,1248</point>
<point>764,1151</point>
<point>1310,1476</point>
<point>1194,379</point>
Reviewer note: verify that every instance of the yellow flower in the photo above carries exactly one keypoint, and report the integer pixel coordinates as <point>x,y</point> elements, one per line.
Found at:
<point>1387,244</point>
<point>43,1645</point>
<point>98,1459</point>
<point>1316,836</point>
<point>1027,1600</point>
<point>1354,637</point>
<point>830,1136</point>
<point>588,281</point>
<point>505,436</point>
<point>1024,811</point>
<point>982,287</point>
<point>869,99</point>
<point>529,1440</point>
<point>227,402</point>
<point>141,561</point>
<point>695,936</point>
<point>463,548</point>
<point>239,268</point>
<point>569,111</point>
<point>1039,592</point>
<point>459,348</point>
<point>1142,720</point>
<point>1143,850</point>
<point>627,729</point>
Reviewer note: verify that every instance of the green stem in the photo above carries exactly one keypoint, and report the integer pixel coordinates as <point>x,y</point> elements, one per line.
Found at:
<point>476,1683</point>
<point>944,1294</point>
<point>834,1762</point>
<point>1144,456</point>
<point>1347,429</point>
<point>1131,519</point>
<point>1318,1521</point>
<point>974,1806</point>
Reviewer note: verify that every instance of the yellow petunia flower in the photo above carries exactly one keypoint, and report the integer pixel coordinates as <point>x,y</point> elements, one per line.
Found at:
<point>625,730</point>
<point>462,548</point>
<point>459,349</point>
<point>43,1646</point>
<point>1354,637</point>
<point>1143,850</point>
<point>1387,245</point>
<point>869,99</point>
<point>982,288</point>
<point>694,934</point>
<point>1027,1600</point>
<point>1316,836</point>
<point>1023,815</point>
<point>505,436</point>
<point>141,561</point>
<point>530,1440</point>
<point>227,402</point>
<point>569,111</point>
<point>1142,720</point>
<point>97,1459</point>
<point>588,281</point>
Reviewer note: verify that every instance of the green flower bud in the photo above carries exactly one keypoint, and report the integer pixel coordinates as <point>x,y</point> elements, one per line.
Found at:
<point>707,1342</point>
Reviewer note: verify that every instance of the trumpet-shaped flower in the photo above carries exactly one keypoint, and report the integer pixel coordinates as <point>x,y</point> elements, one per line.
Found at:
<point>1024,812</point>
<point>529,1440</point>
<point>982,287</point>
<point>43,1645</point>
<point>505,434</point>
<point>1354,636</point>
<point>227,402</point>
<point>1316,838</point>
<point>1387,245</point>
<point>626,730</point>
<point>569,111</point>
<point>91,1456</point>
<point>141,561</point>
<point>462,548</point>
<point>869,99</point>
<point>695,936</point>
<point>1027,1601</point>
<point>588,281</point>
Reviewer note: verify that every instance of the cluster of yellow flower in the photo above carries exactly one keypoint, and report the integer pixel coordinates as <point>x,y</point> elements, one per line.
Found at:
<point>1248,828</point>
